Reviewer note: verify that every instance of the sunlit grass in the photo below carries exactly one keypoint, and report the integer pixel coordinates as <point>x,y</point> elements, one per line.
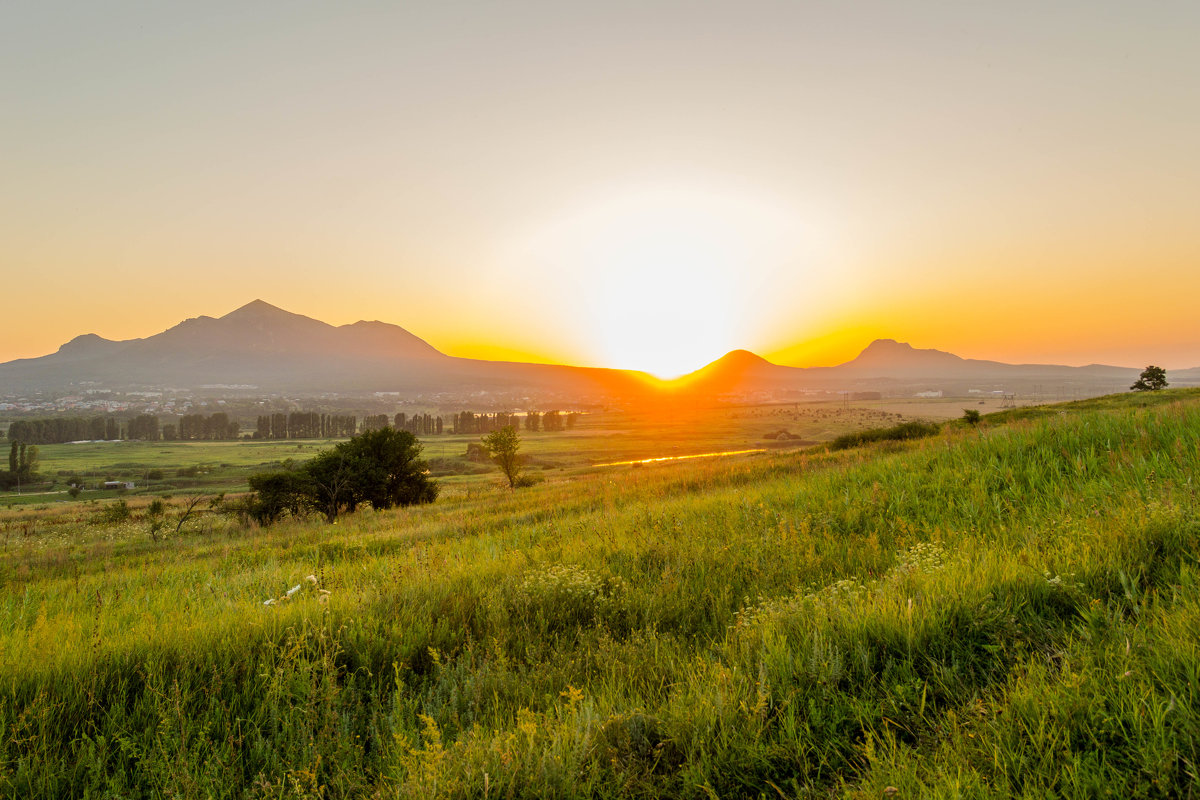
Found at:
<point>1009,610</point>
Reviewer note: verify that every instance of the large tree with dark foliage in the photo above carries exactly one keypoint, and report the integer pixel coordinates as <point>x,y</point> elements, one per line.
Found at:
<point>382,467</point>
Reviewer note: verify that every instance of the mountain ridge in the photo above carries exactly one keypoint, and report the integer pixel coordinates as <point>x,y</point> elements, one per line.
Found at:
<point>259,344</point>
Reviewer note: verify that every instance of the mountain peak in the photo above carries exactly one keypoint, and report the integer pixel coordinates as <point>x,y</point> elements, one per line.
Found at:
<point>888,356</point>
<point>86,344</point>
<point>887,346</point>
<point>256,308</point>
<point>741,358</point>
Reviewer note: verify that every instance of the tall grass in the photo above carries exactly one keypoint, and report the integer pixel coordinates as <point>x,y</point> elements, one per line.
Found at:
<point>1003,611</point>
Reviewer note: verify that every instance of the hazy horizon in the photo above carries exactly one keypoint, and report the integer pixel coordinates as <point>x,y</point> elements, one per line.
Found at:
<point>641,186</point>
<point>667,377</point>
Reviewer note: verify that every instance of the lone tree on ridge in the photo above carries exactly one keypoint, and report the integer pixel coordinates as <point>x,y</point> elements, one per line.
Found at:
<point>1151,380</point>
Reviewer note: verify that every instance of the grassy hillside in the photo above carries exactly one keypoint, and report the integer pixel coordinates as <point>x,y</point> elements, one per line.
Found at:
<point>1009,610</point>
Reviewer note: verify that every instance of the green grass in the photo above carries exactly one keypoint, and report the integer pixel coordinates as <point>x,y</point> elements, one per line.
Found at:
<point>896,433</point>
<point>1008,610</point>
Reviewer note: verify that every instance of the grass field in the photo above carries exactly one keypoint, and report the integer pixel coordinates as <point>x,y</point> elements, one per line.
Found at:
<point>214,467</point>
<point>1010,610</point>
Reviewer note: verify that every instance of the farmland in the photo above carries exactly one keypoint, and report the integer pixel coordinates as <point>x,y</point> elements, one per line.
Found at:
<point>158,468</point>
<point>1010,609</point>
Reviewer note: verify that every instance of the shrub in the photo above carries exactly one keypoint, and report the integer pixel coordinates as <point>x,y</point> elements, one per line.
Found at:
<point>897,433</point>
<point>524,481</point>
<point>114,513</point>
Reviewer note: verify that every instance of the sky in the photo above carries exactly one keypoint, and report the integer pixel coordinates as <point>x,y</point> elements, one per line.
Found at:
<point>642,185</point>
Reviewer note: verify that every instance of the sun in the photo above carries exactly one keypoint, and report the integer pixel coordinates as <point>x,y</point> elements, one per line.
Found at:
<point>668,276</point>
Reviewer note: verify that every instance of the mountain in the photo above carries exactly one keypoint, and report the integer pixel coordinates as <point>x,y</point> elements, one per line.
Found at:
<point>270,350</point>
<point>888,358</point>
<point>898,368</point>
<point>261,349</point>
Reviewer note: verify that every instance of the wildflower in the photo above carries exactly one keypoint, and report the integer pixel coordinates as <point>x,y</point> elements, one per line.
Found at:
<point>270,601</point>
<point>293,590</point>
<point>311,579</point>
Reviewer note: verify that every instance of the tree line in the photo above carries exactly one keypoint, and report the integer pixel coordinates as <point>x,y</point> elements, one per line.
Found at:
<point>56,430</point>
<point>467,422</point>
<point>294,425</point>
<point>143,427</point>
<point>305,425</point>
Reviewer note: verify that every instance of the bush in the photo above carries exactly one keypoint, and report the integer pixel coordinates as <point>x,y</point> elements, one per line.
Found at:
<point>898,433</point>
<point>527,480</point>
<point>971,416</point>
<point>114,513</point>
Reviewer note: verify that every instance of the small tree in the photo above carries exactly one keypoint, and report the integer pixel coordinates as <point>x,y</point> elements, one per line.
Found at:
<point>503,445</point>
<point>1151,380</point>
<point>971,416</point>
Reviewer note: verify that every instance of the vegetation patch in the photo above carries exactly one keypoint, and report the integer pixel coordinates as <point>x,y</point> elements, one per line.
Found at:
<point>1010,613</point>
<point>897,433</point>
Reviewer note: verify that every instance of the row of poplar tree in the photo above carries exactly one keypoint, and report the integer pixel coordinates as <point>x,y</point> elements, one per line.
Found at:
<point>309,425</point>
<point>304,425</point>
<point>146,427</point>
<point>296,425</point>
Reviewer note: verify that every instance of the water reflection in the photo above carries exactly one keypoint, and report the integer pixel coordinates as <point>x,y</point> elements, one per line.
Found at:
<point>679,458</point>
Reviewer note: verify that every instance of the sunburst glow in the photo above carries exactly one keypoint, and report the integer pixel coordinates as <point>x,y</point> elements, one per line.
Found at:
<point>667,274</point>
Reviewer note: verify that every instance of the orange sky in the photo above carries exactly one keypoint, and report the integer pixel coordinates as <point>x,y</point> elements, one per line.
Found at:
<point>642,185</point>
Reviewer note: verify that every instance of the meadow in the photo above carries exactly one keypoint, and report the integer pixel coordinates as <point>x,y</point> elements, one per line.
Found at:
<point>178,468</point>
<point>1003,610</point>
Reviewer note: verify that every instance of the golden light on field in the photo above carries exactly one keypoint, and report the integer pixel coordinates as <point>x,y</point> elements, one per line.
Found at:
<point>667,275</point>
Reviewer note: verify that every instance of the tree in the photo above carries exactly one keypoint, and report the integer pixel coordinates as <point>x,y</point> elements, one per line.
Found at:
<point>503,446</point>
<point>279,493</point>
<point>29,461</point>
<point>387,469</point>
<point>971,416</point>
<point>381,467</point>
<point>1151,380</point>
<point>331,480</point>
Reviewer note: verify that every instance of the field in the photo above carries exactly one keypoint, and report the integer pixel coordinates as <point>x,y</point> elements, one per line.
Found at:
<point>213,467</point>
<point>1011,609</point>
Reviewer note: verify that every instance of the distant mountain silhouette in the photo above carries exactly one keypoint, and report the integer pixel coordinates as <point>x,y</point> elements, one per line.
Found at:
<point>275,351</point>
<point>885,357</point>
<point>896,367</point>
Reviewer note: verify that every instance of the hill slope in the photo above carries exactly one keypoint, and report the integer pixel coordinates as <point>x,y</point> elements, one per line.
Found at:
<point>966,615</point>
